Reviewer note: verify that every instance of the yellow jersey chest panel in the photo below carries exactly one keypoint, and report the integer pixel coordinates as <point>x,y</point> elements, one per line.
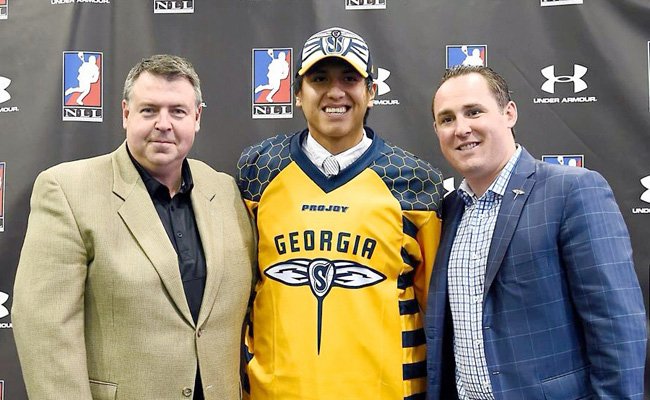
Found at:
<point>336,313</point>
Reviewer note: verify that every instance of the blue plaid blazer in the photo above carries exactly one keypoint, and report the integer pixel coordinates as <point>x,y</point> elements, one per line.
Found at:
<point>563,315</point>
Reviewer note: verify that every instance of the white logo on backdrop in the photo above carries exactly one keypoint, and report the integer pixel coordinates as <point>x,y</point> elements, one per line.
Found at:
<point>382,86</point>
<point>646,184</point>
<point>551,79</point>
<point>3,310</point>
<point>4,84</point>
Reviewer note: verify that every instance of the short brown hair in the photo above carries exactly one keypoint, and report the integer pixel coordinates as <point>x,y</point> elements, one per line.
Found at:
<point>165,65</point>
<point>498,86</point>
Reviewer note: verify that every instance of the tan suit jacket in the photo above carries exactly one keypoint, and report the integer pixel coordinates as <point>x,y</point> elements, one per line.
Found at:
<point>99,309</point>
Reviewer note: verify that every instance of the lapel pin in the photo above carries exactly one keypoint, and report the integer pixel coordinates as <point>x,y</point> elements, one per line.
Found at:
<point>517,192</point>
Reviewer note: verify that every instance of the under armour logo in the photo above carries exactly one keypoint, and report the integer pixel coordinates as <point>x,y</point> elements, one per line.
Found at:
<point>4,84</point>
<point>449,185</point>
<point>578,84</point>
<point>322,275</point>
<point>382,86</point>
<point>3,310</point>
<point>646,184</point>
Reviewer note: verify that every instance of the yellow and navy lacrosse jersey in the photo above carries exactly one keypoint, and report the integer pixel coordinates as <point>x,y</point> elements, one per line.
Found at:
<point>344,266</point>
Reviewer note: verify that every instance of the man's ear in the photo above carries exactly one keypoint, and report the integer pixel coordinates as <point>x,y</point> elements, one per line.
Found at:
<point>197,124</point>
<point>510,111</point>
<point>372,92</point>
<point>125,113</point>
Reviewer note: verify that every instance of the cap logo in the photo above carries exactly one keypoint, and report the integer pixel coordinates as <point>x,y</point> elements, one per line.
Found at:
<point>336,42</point>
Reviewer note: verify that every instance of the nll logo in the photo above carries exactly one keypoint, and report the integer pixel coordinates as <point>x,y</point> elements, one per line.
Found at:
<point>4,84</point>
<point>365,4</point>
<point>173,6</point>
<point>578,84</point>
<point>321,275</point>
<point>3,310</point>
<point>547,3</point>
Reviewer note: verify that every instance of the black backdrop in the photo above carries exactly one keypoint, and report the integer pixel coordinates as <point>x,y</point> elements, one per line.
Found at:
<point>592,107</point>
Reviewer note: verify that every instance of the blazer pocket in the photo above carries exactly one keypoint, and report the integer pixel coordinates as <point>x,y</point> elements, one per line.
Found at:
<point>101,390</point>
<point>573,385</point>
<point>525,267</point>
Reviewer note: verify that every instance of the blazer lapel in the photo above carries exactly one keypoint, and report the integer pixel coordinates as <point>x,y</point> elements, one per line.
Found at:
<point>516,195</point>
<point>210,224</point>
<point>453,210</point>
<point>140,216</point>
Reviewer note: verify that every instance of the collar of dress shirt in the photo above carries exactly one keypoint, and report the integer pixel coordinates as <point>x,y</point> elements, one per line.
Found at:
<point>496,188</point>
<point>317,153</point>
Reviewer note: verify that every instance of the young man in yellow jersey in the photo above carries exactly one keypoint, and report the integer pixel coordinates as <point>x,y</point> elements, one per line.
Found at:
<point>348,230</point>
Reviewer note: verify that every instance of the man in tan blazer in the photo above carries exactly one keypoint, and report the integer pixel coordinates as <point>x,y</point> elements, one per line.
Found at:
<point>136,268</point>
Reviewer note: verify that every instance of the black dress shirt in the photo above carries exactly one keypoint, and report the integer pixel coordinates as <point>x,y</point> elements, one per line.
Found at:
<point>177,216</point>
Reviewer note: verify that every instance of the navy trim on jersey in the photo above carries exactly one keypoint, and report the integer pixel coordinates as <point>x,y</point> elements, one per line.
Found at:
<point>408,307</point>
<point>406,257</point>
<point>330,184</point>
<point>417,396</point>
<point>405,280</point>
<point>415,370</point>
<point>413,338</point>
<point>409,228</point>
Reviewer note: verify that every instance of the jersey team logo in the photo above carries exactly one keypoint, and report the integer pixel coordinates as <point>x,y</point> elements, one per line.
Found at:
<point>2,196</point>
<point>272,75</point>
<point>321,275</point>
<point>365,4</point>
<point>550,3</point>
<point>82,86</point>
<point>4,9</point>
<point>466,54</point>
<point>173,7</point>
<point>572,160</point>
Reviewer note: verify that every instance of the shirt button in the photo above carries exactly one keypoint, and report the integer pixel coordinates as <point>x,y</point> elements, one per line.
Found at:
<point>187,392</point>
<point>478,343</point>
<point>179,234</point>
<point>478,299</point>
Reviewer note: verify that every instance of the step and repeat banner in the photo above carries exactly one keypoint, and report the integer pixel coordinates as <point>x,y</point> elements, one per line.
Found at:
<point>579,71</point>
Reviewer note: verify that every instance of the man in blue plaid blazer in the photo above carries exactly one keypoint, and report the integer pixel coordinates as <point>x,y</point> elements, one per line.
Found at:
<point>533,293</point>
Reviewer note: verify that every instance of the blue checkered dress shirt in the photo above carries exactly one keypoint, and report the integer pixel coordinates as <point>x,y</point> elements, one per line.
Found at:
<point>467,264</point>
